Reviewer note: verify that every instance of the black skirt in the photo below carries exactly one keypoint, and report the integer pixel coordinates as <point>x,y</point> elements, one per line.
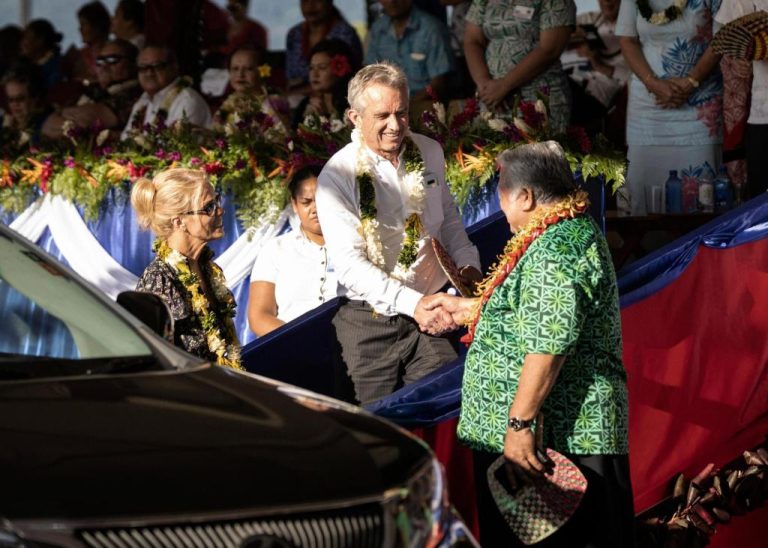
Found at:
<point>604,519</point>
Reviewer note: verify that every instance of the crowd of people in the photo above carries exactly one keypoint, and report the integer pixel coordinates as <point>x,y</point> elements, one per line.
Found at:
<point>372,219</point>
<point>649,83</point>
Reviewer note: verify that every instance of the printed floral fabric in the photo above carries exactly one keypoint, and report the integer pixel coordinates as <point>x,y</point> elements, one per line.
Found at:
<point>672,50</point>
<point>160,279</point>
<point>512,30</point>
<point>561,299</point>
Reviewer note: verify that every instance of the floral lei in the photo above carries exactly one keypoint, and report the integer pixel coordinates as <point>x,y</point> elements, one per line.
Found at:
<point>414,181</point>
<point>226,347</point>
<point>661,17</point>
<point>570,207</point>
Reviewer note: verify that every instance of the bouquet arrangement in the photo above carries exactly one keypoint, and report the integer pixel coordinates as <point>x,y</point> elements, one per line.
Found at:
<point>472,140</point>
<point>252,154</point>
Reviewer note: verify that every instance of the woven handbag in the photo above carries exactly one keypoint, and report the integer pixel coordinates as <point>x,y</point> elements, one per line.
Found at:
<point>744,38</point>
<point>535,511</point>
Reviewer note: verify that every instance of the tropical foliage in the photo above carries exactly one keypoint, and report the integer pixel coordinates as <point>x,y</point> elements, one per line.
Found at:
<point>254,156</point>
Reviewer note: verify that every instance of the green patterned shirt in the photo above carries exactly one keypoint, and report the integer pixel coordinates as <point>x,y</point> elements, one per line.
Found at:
<point>512,29</point>
<point>560,299</point>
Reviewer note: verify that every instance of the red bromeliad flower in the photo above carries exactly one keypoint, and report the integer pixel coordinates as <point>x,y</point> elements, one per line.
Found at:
<point>214,168</point>
<point>531,116</point>
<point>579,135</point>
<point>340,65</point>
<point>135,172</point>
<point>468,114</point>
<point>46,174</point>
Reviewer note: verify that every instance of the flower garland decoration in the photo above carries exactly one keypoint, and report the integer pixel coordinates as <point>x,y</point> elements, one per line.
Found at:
<point>225,346</point>
<point>340,65</point>
<point>369,226</point>
<point>575,204</point>
<point>661,17</point>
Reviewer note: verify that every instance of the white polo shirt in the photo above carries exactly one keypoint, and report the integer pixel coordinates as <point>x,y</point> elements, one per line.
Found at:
<point>303,276</point>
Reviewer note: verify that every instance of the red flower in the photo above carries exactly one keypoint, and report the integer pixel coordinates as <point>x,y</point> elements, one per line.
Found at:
<point>579,135</point>
<point>340,65</point>
<point>214,168</point>
<point>135,171</point>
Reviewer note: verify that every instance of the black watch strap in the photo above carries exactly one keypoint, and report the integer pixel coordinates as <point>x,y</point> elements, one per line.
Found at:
<point>517,424</point>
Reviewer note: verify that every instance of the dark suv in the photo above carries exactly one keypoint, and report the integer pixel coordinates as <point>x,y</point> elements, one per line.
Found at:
<point>111,437</point>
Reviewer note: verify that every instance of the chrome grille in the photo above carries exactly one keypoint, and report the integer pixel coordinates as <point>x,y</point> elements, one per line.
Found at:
<point>358,528</point>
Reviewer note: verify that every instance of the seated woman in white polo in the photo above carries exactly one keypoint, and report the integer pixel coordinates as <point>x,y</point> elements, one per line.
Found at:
<point>292,274</point>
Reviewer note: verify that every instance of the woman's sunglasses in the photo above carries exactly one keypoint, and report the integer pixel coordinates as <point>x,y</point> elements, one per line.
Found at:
<point>208,209</point>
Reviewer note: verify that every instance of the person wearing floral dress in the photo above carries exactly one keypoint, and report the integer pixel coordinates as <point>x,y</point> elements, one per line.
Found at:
<point>674,114</point>
<point>180,207</point>
<point>513,49</point>
<point>250,108</point>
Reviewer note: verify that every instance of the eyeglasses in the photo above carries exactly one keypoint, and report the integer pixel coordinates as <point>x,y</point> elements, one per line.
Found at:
<point>208,209</point>
<point>110,60</point>
<point>153,67</point>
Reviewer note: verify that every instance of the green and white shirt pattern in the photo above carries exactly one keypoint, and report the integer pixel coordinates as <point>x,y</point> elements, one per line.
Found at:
<point>560,299</point>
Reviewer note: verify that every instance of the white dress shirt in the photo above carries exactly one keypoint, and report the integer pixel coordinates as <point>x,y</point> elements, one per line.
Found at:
<point>303,276</point>
<point>338,207</point>
<point>188,104</point>
<point>733,9</point>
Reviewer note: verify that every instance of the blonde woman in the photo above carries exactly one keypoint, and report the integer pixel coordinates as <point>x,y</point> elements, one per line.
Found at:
<point>179,205</point>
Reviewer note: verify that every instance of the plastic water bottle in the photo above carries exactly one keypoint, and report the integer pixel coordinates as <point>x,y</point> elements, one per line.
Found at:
<point>723,191</point>
<point>706,192</point>
<point>673,190</point>
<point>690,194</point>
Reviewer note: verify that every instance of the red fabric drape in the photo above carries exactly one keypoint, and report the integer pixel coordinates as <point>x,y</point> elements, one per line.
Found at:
<point>696,355</point>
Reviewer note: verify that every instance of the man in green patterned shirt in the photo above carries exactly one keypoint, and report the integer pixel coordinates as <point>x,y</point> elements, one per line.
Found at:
<point>548,340</point>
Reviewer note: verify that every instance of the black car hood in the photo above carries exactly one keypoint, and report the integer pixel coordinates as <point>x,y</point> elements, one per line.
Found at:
<point>183,442</point>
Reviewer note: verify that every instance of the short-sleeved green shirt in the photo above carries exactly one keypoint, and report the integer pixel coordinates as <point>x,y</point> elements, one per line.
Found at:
<point>512,28</point>
<point>560,299</point>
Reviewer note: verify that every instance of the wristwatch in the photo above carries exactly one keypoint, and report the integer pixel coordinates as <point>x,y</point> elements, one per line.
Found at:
<point>517,424</point>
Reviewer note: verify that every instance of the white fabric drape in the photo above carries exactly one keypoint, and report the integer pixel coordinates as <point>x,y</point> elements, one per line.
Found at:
<point>90,260</point>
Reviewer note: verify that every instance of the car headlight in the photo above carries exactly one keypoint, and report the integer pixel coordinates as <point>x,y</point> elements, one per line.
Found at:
<point>420,510</point>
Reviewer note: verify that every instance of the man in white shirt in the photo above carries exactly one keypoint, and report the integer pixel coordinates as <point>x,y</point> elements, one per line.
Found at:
<point>756,133</point>
<point>404,198</point>
<point>166,98</point>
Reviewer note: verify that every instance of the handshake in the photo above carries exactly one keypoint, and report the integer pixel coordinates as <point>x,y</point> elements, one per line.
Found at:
<point>439,313</point>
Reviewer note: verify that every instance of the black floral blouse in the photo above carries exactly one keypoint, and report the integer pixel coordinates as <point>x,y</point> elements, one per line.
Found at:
<point>159,278</point>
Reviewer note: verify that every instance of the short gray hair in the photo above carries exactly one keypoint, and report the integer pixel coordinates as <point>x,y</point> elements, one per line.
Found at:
<point>387,74</point>
<point>540,167</point>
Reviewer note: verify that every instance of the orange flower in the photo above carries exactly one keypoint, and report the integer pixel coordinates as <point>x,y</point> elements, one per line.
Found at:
<point>5,179</point>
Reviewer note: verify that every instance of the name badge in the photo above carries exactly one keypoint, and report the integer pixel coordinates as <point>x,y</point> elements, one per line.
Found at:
<point>416,56</point>
<point>523,12</point>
